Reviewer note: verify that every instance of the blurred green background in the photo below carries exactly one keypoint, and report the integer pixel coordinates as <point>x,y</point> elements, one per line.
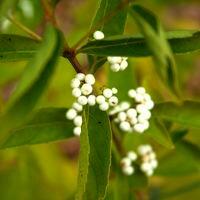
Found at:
<point>49,171</point>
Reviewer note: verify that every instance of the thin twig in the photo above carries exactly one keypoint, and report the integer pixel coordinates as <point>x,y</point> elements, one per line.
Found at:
<point>23,27</point>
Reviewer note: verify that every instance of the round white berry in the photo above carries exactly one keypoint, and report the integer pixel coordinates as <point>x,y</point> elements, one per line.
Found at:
<point>125,126</point>
<point>147,97</point>
<point>98,35</point>
<point>141,90</point>
<point>149,104</point>
<point>113,101</point>
<point>114,90</point>
<point>78,120</point>
<point>104,106</point>
<point>77,106</point>
<point>128,170</point>
<point>114,59</point>
<point>75,83</point>
<point>122,116</point>
<point>76,92</point>
<point>115,67</point>
<point>154,163</point>
<point>124,105</point>
<point>77,131</point>
<point>131,113</point>
<point>133,120</point>
<point>132,93</point>
<point>82,100</point>
<point>145,124</point>
<point>139,128</point>
<point>144,116</point>
<point>89,78</point>
<point>100,99</point>
<point>145,166</point>
<point>80,76</point>
<point>125,162</point>
<point>91,100</point>
<point>152,156</point>
<point>86,89</point>
<point>132,155</point>
<point>107,93</point>
<point>142,150</point>
<point>71,114</point>
<point>141,108</point>
<point>139,97</point>
<point>123,65</point>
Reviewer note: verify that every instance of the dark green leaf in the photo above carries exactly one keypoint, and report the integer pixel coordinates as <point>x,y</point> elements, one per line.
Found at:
<point>135,46</point>
<point>155,38</point>
<point>32,84</point>
<point>46,125</point>
<point>15,47</point>
<point>186,113</point>
<point>95,156</point>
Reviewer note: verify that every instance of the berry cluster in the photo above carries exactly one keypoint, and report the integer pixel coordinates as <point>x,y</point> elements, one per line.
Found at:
<point>126,163</point>
<point>107,99</point>
<point>117,63</point>
<point>146,159</point>
<point>134,118</point>
<point>82,88</point>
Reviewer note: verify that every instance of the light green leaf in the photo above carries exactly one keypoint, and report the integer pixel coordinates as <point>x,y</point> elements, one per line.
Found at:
<point>32,84</point>
<point>15,47</point>
<point>181,42</point>
<point>155,38</point>
<point>95,156</point>
<point>46,125</point>
<point>186,113</point>
<point>6,6</point>
<point>158,132</point>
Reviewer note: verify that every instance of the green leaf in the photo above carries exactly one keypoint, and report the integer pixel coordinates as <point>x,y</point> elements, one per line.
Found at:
<point>158,132</point>
<point>95,156</point>
<point>185,155</point>
<point>155,38</point>
<point>32,84</point>
<point>181,42</point>
<point>15,47</point>
<point>186,113</point>
<point>108,26</point>
<point>7,5</point>
<point>46,125</point>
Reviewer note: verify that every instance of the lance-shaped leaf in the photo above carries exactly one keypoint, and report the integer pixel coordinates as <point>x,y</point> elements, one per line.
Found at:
<point>108,13</point>
<point>155,38</point>
<point>15,47</point>
<point>181,42</point>
<point>186,113</point>
<point>32,84</point>
<point>46,125</point>
<point>95,155</point>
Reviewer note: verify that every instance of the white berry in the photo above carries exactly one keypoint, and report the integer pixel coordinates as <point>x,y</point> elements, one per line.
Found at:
<point>100,99</point>
<point>123,65</point>
<point>89,78</point>
<point>132,155</point>
<point>128,170</point>
<point>125,162</point>
<point>77,131</point>
<point>132,93</point>
<point>125,126</point>
<point>122,116</point>
<point>139,128</point>
<point>131,113</point>
<point>77,106</point>
<point>141,90</point>
<point>98,35</point>
<point>91,100</point>
<point>115,67</point>
<point>78,120</point>
<point>86,89</point>
<point>76,92</point>
<point>113,101</point>
<point>75,83</point>
<point>71,114</point>
<point>80,76</point>
<point>114,90</point>
<point>82,100</point>
<point>107,93</point>
<point>104,106</point>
